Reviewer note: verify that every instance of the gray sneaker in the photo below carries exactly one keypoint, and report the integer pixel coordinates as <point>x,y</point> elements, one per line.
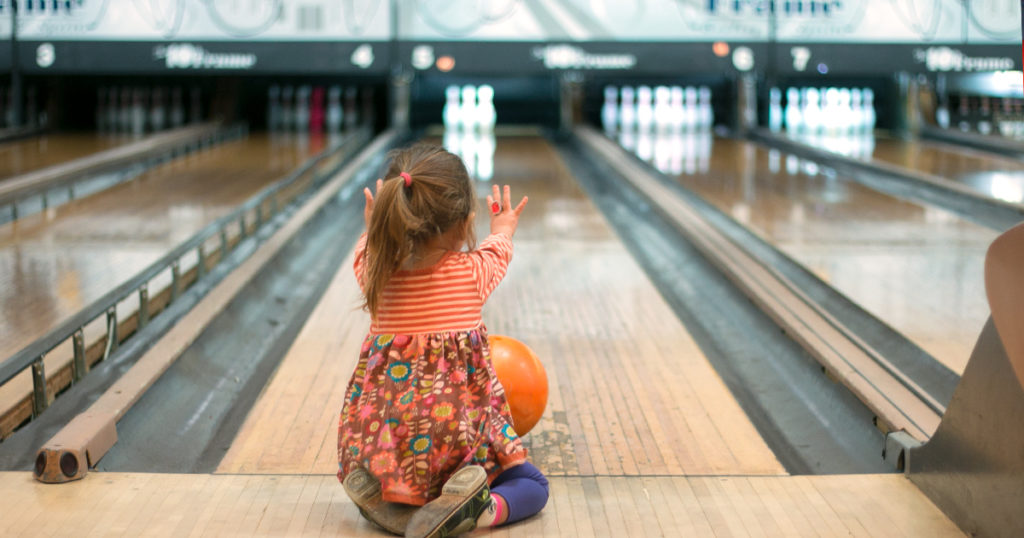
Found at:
<point>364,490</point>
<point>463,497</point>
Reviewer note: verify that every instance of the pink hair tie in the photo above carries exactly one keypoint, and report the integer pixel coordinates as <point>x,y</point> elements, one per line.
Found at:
<point>407,178</point>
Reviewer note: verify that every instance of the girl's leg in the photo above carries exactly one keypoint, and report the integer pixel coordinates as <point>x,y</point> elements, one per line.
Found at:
<point>524,490</point>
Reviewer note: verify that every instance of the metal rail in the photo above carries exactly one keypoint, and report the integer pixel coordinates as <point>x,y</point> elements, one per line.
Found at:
<point>245,219</point>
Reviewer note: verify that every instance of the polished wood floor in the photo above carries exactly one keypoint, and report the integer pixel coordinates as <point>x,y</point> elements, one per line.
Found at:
<point>630,391</point>
<point>21,156</point>
<point>52,264</point>
<point>179,505</point>
<point>915,267</point>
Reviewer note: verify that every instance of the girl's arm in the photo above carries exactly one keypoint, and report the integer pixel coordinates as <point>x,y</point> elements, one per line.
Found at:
<point>490,261</point>
<point>360,264</point>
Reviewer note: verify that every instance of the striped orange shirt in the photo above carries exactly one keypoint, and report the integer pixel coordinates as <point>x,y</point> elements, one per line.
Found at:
<point>446,297</point>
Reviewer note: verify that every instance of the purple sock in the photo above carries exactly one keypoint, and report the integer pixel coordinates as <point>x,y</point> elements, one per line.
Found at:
<point>524,489</point>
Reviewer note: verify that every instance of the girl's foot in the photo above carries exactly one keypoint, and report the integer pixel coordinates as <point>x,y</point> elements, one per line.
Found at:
<point>364,490</point>
<point>495,512</point>
<point>463,497</point>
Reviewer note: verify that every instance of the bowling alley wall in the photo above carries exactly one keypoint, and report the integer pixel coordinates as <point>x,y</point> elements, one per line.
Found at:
<point>143,66</point>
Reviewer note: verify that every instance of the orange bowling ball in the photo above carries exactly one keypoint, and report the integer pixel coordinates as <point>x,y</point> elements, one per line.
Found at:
<point>525,381</point>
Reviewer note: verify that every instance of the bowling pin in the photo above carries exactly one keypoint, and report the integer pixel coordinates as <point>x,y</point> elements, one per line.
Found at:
<point>349,113</point>
<point>287,101</point>
<point>869,109</point>
<point>963,112</point>
<point>486,115</point>
<point>676,109</point>
<point>177,108</point>
<point>690,108</point>
<point>705,114</point>
<point>830,110</point>
<point>794,118</point>
<point>334,118</point>
<point>468,114</point>
<point>273,107</point>
<point>627,109</point>
<point>609,110</point>
<point>644,108</point>
<point>985,117</point>
<point>157,111</point>
<point>124,111</point>
<point>451,111</point>
<point>662,113</point>
<point>774,109</point>
<point>812,111</point>
<point>856,111</point>
<point>138,112</point>
<point>316,110</point>
<point>302,109</point>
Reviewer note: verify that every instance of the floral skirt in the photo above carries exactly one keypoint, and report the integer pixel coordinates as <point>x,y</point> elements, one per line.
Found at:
<point>420,407</point>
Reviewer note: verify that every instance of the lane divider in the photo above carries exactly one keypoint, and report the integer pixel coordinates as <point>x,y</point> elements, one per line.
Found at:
<point>899,404</point>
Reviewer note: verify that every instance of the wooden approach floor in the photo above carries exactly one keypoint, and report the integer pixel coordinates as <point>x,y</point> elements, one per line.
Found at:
<point>640,437</point>
<point>915,267</point>
<point>180,505</point>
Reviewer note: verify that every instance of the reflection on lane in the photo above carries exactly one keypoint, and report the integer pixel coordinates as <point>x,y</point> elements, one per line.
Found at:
<point>990,175</point>
<point>54,263</point>
<point>23,156</point>
<point>917,268</point>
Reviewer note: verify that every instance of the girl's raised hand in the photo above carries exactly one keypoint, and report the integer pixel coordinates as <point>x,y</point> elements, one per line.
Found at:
<point>368,210</point>
<point>504,218</point>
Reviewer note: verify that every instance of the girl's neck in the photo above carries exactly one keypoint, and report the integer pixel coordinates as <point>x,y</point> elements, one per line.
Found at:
<point>432,252</point>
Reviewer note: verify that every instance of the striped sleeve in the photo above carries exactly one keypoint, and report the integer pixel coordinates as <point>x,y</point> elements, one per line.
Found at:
<point>360,264</point>
<point>490,262</point>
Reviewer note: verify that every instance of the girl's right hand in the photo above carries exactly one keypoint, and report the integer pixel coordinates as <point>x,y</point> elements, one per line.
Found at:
<point>506,218</point>
<point>368,209</point>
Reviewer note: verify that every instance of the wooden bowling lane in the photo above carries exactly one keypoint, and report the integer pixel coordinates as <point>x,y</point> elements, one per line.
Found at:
<point>134,504</point>
<point>987,174</point>
<point>630,391</point>
<point>26,155</point>
<point>915,267</point>
<point>54,263</point>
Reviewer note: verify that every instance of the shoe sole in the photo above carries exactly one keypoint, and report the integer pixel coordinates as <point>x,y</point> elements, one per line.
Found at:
<point>463,497</point>
<point>364,490</point>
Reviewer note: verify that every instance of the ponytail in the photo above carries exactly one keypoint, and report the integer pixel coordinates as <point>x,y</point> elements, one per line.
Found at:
<point>427,191</point>
<point>388,243</point>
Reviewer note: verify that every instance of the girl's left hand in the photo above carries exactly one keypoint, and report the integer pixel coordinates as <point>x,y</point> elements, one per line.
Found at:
<point>368,210</point>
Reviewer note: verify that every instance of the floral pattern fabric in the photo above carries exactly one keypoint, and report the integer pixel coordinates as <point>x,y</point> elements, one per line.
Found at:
<point>420,407</point>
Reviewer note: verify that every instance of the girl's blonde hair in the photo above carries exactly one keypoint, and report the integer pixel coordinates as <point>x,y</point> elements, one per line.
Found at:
<point>405,218</point>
